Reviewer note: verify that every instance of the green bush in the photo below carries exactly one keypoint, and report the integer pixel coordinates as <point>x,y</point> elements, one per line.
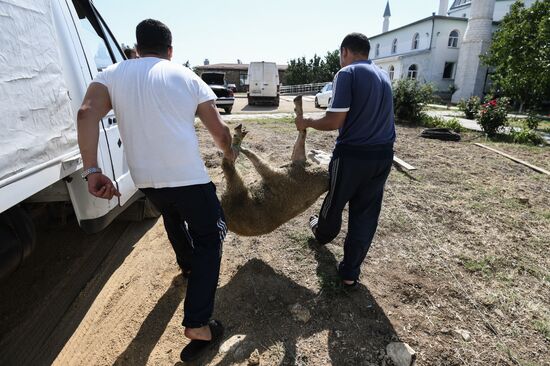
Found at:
<point>493,114</point>
<point>470,107</point>
<point>437,122</point>
<point>526,136</point>
<point>532,122</point>
<point>410,97</point>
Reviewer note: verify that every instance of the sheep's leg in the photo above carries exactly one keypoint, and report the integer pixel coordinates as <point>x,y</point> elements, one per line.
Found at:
<point>299,151</point>
<point>234,182</point>
<point>260,165</point>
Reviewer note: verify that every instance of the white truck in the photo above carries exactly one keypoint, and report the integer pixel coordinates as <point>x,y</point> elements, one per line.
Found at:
<point>263,83</point>
<point>49,52</point>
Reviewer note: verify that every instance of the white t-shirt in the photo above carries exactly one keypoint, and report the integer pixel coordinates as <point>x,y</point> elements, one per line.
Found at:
<point>155,102</point>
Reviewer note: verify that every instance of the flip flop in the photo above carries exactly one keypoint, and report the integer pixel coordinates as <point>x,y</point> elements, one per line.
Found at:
<point>196,347</point>
<point>347,286</point>
<point>313,223</point>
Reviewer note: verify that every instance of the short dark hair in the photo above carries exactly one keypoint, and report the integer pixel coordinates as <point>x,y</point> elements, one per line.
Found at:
<point>356,43</point>
<point>153,36</point>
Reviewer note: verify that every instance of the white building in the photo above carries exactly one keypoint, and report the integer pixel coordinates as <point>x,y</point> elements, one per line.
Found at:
<point>442,49</point>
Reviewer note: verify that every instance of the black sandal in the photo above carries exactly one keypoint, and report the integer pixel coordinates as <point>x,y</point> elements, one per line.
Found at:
<point>197,347</point>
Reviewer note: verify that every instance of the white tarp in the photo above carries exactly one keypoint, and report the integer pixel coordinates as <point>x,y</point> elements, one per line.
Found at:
<point>36,119</point>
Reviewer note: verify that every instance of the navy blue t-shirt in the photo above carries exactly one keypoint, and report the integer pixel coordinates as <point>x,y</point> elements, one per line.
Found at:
<point>364,91</point>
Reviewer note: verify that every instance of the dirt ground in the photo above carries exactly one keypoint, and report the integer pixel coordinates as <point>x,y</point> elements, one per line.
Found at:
<point>462,247</point>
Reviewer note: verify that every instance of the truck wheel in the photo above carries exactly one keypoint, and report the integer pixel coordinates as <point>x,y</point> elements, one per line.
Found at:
<point>250,102</point>
<point>228,109</point>
<point>17,239</point>
<point>317,103</point>
<point>277,102</point>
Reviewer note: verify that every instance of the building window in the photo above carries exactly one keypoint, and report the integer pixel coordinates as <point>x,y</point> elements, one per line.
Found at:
<point>448,71</point>
<point>394,46</point>
<point>453,39</point>
<point>413,72</point>
<point>377,50</point>
<point>416,41</point>
<point>391,72</point>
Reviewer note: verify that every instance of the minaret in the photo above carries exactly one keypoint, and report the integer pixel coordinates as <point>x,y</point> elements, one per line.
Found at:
<point>387,15</point>
<point>471,73</point>
<point>443,7</point>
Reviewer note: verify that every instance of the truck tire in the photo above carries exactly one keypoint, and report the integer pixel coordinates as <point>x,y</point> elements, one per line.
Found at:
<point>228,109</point>
<point>317,103</point>
<point>17,239</point>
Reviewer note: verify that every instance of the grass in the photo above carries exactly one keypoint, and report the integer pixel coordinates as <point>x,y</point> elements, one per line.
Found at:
<point>544,125</point>
<point>543,327</point>
<point>484,265</point>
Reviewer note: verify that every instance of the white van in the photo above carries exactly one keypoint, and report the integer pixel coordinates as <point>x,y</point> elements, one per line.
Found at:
<point>263,83</point>
<point>51,50</point>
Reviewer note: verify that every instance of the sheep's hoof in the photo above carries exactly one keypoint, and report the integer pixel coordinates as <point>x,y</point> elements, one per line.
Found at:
<point>238,136</point>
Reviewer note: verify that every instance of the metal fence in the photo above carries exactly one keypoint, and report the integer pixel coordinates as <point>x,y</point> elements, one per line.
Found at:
<point>302,89</point>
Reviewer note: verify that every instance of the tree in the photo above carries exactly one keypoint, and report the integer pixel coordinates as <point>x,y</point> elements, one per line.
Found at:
<point>332,63</point>
<point>316,70</point>
<point>520,54</point>
<point>297,72</point>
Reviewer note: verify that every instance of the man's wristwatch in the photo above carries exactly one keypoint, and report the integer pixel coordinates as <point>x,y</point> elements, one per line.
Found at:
<point>89,171</point>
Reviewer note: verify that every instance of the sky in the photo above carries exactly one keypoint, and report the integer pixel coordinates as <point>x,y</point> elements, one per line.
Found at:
<point>258,30</point>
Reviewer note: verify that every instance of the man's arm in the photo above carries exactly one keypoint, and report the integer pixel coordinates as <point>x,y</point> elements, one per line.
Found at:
<point>94,107</point>
<point>331,121</point>
<point>210,117</point>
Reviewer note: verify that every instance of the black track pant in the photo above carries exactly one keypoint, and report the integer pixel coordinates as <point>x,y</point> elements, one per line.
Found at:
<point>357,177</point>
<point>195,224</point>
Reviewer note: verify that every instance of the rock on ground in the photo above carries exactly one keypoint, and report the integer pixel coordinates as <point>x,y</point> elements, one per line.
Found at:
<point>401,354</point>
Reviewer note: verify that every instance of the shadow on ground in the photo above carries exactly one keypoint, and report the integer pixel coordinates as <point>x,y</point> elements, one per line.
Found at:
<point>36,299</point>
<point>256,303</point>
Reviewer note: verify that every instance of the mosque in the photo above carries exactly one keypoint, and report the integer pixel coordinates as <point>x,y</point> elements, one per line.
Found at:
<point>444,48</point>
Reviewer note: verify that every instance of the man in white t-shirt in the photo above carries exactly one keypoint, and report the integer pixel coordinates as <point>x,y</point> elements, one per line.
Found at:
<point>155,102</point>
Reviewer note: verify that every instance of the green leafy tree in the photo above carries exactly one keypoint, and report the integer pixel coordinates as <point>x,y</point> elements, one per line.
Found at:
<point>520,54</point>
<point>316,70</point>
<point>297,72</point>
<point>332,63</point>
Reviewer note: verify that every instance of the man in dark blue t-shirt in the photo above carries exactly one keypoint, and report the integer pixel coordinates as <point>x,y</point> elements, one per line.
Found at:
<point>362,110</point>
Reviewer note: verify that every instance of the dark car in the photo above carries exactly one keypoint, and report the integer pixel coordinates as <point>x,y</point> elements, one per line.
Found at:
<point>216,81</point>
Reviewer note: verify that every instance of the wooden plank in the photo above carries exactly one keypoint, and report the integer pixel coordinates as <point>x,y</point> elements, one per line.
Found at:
<point>403,164</point>
<point>534,167</point>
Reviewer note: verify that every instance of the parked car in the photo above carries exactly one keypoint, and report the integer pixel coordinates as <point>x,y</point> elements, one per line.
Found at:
<point>263,80</point>
<point>232,87</point>
<point>323,98</point>
<point>216,81</point>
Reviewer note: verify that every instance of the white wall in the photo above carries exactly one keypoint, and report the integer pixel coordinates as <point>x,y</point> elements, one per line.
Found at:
<point>501,9</point>
<point>404,40</point>
<point>431,63</point>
